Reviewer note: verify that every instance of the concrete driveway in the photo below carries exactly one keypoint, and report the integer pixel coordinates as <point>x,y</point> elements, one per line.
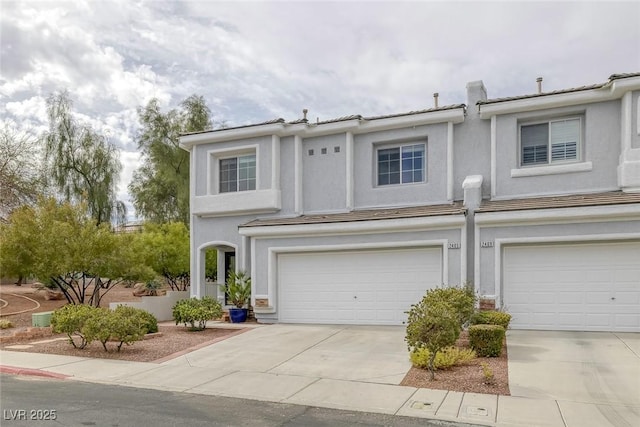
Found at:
<point>375,354</point>
<point>587,367</point>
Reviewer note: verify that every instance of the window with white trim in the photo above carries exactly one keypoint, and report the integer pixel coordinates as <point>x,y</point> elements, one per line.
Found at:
<point>554,141</point>
<point>238,173</point>
<point>402,164</point>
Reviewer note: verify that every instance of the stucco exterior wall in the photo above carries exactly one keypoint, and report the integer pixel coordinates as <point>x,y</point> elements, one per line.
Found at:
<point>324,175</point>
<point>600,145</point>
<point>472,152</point>
<point>635,119</point>
<point>368,194</point>
<point>287,176</point>
<point>202,158</point>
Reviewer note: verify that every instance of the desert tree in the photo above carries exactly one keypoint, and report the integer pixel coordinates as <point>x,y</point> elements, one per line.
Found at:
<point>83,165</point>
<point>21,178</point>
<point>160,187</point>
<point>65,249</point>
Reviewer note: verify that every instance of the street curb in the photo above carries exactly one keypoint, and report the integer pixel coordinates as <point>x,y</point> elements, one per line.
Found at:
<point>31,372</point>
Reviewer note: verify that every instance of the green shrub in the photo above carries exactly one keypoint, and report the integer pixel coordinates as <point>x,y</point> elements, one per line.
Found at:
<point>192,310</point>
<point>461,299</point>
<point>126,327</point>
<point>445,358</point>
<point>486,340</point>
<point>487,373</point>
<point>148,320</point>
<point>491,317</point>
<point>432,327</point>
<point>70,320</point>
<point>5,324</point>
<point>98,326</point>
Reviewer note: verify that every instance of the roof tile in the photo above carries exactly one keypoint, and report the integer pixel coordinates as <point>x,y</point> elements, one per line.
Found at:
<point>581,200</point>
<point>364,215</point>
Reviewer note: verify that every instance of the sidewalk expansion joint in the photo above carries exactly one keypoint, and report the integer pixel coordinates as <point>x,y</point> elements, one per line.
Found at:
<point>305,349</point>
<point>561,415</point>
<point>299,391</point>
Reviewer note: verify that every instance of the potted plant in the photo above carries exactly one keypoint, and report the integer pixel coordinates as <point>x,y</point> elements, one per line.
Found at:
<point>238,290</point>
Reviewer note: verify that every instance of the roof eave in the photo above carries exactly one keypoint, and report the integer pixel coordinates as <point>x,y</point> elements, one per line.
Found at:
<point>612,90</point>
<point>188,141</point>
<point>454,115</point>
<point>357,227</point>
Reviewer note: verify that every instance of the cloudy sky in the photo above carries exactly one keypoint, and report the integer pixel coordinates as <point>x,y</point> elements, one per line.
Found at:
<point>255,61</point>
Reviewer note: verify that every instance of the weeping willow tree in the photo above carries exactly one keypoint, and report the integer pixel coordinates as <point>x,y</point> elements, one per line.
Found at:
<point>82,164</point>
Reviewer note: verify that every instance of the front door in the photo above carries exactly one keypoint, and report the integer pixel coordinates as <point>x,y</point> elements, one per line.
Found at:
<point>229,265</point>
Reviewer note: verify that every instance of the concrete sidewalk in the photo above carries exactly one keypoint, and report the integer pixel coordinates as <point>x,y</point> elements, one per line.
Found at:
<point>276,376</point>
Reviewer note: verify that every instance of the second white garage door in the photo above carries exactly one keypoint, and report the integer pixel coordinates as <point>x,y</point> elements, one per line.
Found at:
<point>584,287</point>
<point>355,287</point>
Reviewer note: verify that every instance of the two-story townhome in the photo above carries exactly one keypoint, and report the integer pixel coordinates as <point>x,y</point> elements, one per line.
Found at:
<point>534,199</point>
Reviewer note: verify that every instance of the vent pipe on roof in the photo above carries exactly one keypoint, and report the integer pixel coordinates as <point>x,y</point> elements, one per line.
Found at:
<point>304,114</point>
<point>435,99</point>
<point>539,81</point>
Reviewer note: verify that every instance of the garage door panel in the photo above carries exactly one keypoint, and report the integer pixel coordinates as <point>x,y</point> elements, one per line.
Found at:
<point>592,286</point>
<point>377,286</point>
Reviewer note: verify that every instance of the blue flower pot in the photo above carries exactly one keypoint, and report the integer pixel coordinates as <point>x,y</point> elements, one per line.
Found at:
<point>238,315</point>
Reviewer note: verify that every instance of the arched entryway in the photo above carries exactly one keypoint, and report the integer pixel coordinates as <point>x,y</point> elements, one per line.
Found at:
<point>215,260</point>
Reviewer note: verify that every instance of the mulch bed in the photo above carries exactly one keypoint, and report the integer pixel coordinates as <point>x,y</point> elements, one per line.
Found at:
<point>467,378</point>
<point>170,341</point>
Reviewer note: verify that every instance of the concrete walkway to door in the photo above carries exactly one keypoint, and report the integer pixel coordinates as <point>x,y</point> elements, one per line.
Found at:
<point>583,371</point>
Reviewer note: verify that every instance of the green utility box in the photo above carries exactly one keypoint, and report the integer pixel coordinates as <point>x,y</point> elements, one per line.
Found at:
<point>41,320</point>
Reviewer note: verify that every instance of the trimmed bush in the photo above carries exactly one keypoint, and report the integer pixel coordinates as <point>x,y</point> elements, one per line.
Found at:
<point>98,326</point>
<point>126,327</point>
<point>445,358</point>
<point>432,327</point>
<point>71,320</point>
<point>192,310</point>
<point>5,324</point>
<point>148,320</point>
<point>461,299</point>
<point>491,317</point>
<point>486,340</point>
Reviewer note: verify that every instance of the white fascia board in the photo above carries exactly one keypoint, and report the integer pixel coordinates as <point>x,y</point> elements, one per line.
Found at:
<point>454,116</point>
<point>356,227</point>
<point>614,90</point>
<point>559,215</point>
<point>313,130</point>
<point>188,141</point>
<point>308,130</point>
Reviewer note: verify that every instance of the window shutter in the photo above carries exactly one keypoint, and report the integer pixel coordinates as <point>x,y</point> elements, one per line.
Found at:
<point>564,139</point>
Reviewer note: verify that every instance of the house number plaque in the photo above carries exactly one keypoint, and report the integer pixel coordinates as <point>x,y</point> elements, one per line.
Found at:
<point>454,246</point>
<point>262,302</point>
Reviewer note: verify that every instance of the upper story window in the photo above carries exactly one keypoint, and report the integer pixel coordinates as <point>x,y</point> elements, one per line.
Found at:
<point>238,173</point>
<point>401,165</point>
<point>555,141</point>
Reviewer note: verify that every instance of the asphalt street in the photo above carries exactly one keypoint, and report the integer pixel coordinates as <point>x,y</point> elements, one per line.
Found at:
<point>34,401</point>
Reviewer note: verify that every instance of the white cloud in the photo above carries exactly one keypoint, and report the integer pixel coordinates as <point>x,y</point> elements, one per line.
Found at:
<point>261,60</point>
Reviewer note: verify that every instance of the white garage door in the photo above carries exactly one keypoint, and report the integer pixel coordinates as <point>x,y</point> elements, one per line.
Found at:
<point>355,287</point>
<point>586,287</point>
